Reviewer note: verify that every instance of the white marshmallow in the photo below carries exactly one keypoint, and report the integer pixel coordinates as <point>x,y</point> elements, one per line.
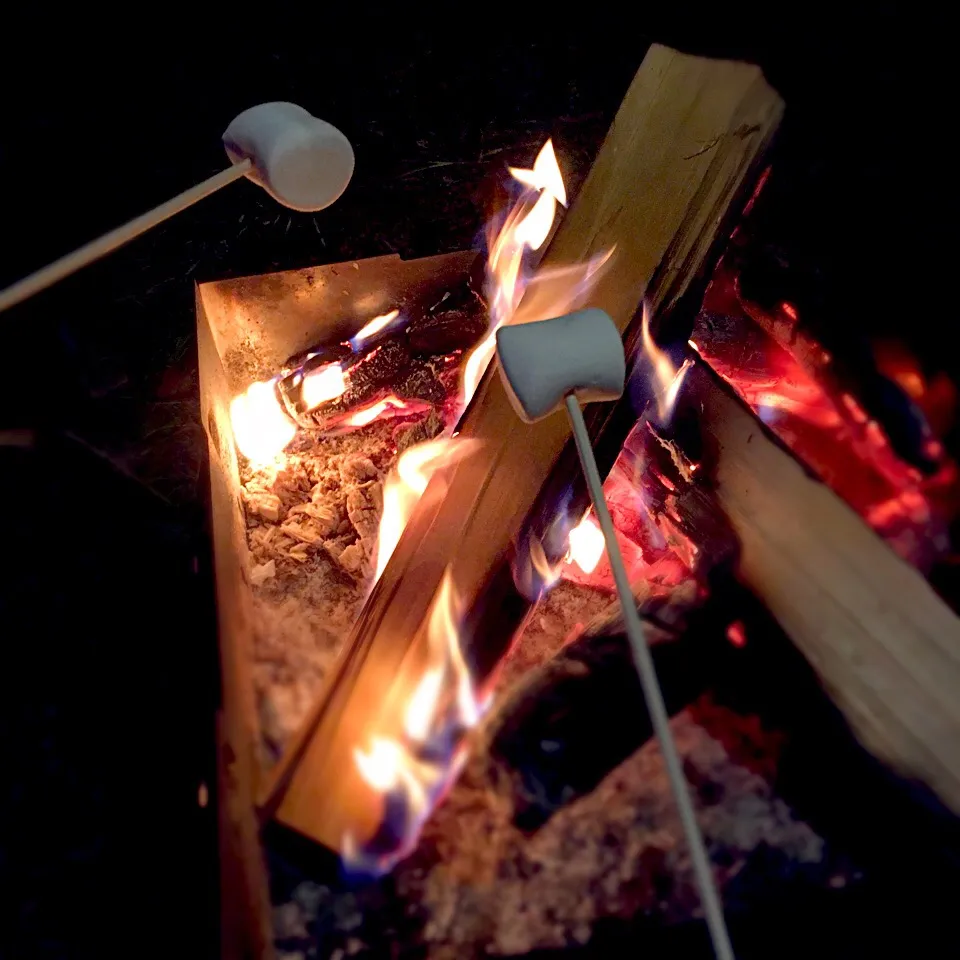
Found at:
<point>302,162</point>
<point>543,362</point>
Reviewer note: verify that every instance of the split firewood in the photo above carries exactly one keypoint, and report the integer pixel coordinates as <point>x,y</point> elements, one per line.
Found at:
<point>667,179</point>
<point>886,647</point>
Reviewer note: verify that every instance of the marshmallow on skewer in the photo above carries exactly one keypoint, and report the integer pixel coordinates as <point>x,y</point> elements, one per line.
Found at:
<point>563,361</point>
<point>541,363</point>
<point>302,162</point>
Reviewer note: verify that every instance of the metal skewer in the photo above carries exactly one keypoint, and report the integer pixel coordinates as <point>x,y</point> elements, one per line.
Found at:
<point>651,688</point>
<point>574,357</point>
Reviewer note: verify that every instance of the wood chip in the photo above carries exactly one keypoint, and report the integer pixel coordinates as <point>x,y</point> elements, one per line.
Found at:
<point>266,505</point>
<point>299,552</point>
<point>352,558</point>
<point>263,572</point>
<point>363,511</point>
<point>324,516</point>
<point>357,468</point>
<point>304,532</point>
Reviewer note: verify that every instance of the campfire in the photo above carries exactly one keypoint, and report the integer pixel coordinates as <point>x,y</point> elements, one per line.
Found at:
<point>336,389</point>
<point>403,574</point>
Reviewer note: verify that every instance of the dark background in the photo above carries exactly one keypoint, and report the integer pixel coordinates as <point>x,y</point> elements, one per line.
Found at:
<point>109,677</point>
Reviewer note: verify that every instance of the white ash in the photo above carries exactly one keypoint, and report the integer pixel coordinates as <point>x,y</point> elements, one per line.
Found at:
<point>612,853</point>
<point>478,885</point>
<point>312,522</point>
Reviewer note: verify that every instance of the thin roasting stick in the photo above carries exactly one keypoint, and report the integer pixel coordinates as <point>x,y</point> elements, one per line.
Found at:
<point>304,163</point>
<point>72,262</point>
<point>651,689</point>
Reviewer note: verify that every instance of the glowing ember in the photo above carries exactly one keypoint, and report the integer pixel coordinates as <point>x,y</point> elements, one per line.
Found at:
<point>366,415</point>
<point>261,428</point>
<point>586,545</point>
<point>406,484</point>
<point>737,633</point>
<point>666,378</point>
<point>372,328</point>
<point>322,385</point>
<point>827,428</point>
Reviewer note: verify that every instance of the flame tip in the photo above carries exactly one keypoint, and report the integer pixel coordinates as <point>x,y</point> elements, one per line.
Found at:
<point>587,544</point>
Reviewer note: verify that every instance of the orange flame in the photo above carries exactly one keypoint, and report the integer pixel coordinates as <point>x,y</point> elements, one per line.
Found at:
<point>368,414</point>
<point>667,379</point>
<point>405,485</point>
<point>421,709</point>
<point>586,545</point>
<point>373,327</point>
<point>547,574</point>
<point>524,230</point>
<point>545,174</point>
<point>322,385</point>
<point>443,635</point>
<point>261,427</point>
<point>380,765</point>
<point>417,752</point>
<point>441,709</point>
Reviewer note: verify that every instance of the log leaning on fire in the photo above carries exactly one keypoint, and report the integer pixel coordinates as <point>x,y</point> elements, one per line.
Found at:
<point>681,149</point>
<point>886,647</point>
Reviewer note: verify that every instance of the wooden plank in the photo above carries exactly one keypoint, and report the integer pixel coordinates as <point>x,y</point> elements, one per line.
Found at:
<point>245,930</point>
<point>686,138</point>
<point>885,645</point>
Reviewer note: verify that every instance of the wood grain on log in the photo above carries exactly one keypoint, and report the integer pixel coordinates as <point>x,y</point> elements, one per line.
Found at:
<point>885,645</point>
<point>681,147</point>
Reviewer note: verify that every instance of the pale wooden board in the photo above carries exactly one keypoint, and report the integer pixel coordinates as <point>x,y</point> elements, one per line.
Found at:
<point>885,645</point>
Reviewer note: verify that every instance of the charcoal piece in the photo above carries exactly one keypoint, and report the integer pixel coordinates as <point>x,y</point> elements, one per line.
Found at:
<point>421,383</point>
<point>446,330</point>
<point>318,356</point>
<point>289,387</point>
<point>372,378</point>
<point>682,507</point>
<point>410,434</point>
<point>835,354</point>
<point>383,366</point>
<point>579,714</point>
<point>583,713</point>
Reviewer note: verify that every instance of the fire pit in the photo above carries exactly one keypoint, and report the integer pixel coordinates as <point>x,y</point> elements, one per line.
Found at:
<point>385,550</point>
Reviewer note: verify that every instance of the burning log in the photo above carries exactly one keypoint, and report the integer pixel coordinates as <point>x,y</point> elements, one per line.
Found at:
<point>681,148</point>
<point>399,363</point>
<point>885,645</point>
